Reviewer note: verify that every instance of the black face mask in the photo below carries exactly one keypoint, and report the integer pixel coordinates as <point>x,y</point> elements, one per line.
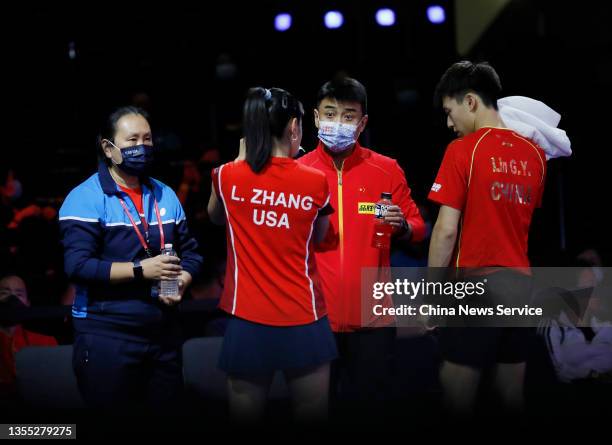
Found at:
<point>12,302</point>
<point>10,308</point>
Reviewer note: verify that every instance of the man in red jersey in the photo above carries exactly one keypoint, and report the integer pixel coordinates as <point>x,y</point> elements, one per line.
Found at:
<point>13,336</point>
<point>357,177</point>
<point>490,182</point>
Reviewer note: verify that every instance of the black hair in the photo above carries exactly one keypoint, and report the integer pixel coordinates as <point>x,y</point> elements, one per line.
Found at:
<point>266,114</point>
<point>345,89</point>
<point>464,77</point>
<point>109,129</point>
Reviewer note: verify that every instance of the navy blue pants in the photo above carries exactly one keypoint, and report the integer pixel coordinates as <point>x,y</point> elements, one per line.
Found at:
<point>126,377</point>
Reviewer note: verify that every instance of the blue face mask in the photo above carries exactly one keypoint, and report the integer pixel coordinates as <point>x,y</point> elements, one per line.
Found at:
<point>336,136</point>
<point>137,159</point>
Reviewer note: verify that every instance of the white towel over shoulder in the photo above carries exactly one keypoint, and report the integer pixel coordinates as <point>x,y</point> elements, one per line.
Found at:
<point>537,121</point>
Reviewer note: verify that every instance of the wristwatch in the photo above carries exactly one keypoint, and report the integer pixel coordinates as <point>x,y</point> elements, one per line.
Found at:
<point>137,268</point>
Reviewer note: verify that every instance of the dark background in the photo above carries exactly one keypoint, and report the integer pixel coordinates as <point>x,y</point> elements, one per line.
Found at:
<point>171,58</point>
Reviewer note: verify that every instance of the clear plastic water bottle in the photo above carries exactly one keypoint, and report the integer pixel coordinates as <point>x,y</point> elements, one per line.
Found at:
<point>382,230</point>
<point>168,288</point>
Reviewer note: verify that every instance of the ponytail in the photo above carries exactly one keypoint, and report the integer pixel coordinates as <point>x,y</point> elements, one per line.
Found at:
<point>258,139</point>
<point>266,114</point>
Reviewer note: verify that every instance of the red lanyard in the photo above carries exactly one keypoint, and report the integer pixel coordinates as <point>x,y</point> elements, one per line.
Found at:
<point>144,243</point>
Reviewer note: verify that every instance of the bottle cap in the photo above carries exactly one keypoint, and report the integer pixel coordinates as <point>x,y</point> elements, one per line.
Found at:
<point>385,195</point>
<point>167,246</point>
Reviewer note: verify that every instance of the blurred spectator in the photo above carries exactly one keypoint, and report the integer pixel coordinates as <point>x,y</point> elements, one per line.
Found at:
<point>10,192</point>
<point>592,274</point>
<point>190,184</point>
<point>14,207</point>
<point>14,337</point>
<point>29,241</point>
<point>580,352</point>
<point>10,188</point>
<point>47,213</point>
<point>580,342</point>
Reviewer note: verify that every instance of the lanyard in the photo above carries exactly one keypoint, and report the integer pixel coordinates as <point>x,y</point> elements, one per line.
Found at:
<point>144,243</point>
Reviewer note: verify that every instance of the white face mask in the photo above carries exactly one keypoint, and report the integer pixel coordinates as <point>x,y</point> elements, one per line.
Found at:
<point>336,136</point>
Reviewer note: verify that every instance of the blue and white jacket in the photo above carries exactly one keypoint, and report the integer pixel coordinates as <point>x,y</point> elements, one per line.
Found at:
<point>96,232</point>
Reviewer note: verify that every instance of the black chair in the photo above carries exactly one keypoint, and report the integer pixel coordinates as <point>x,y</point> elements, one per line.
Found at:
<point>202,377</point>
<point>45,379</point>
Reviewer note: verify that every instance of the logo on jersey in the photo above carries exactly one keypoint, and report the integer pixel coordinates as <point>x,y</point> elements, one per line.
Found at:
<point>366,208</point>
<point>436,187</point>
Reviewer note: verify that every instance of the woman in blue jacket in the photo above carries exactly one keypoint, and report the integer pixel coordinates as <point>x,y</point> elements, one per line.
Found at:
<point>114,225</point>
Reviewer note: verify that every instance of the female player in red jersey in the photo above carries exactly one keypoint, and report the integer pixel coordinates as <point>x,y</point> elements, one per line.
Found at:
<point>275,209</point>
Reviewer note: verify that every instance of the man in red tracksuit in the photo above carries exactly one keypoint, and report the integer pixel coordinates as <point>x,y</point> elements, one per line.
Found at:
<point>357,176</point>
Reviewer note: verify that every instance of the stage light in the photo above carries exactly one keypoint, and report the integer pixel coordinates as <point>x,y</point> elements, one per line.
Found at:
<point>282,22</point>
<point>333,19</point>
<point>436,14</point>
<point>385,17</point>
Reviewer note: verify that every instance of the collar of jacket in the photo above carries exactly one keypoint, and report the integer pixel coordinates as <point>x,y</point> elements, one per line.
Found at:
<point>109,186</point>
<point>352,160</point>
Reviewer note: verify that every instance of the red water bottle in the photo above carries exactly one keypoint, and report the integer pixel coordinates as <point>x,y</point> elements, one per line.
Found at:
<point>382,230</point>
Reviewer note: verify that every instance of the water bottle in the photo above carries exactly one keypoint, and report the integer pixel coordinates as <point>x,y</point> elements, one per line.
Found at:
<point>382,230</point>
<point>168,288</point>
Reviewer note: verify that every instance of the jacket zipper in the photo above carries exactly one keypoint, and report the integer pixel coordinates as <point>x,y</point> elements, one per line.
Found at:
<point>341,241</point>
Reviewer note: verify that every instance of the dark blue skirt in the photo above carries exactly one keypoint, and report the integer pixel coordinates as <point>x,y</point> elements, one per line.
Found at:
<point>256,349</point>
